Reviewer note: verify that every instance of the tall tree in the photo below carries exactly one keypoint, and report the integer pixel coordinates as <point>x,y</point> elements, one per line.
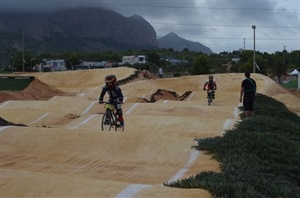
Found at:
<point>279,67</point>
<point>201,65</point>
<point>153,57</point>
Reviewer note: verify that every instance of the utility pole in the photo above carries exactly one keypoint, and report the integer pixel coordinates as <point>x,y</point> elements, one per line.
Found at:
<point>23,58</point>
<point>253,27</point>
<point>284,52</point>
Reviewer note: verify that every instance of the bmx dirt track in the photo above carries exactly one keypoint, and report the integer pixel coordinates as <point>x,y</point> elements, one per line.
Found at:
<point>63,153</point>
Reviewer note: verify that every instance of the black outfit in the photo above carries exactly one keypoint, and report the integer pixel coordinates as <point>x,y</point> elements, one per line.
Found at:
<point>249,86</point>
<point>115,97</point>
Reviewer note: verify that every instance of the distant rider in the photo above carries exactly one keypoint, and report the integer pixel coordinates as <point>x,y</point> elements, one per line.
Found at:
<point>115,95</point>
<point>210,85</point>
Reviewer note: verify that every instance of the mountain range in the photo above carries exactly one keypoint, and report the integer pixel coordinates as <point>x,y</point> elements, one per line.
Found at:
<point>84,29</point>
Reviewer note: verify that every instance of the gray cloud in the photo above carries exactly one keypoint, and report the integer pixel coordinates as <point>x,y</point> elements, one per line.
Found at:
<point>222,25</point>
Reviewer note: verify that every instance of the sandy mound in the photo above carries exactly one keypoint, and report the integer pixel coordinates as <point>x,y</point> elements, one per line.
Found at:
<point>37,90</point>
<point>162,94</point>
<point>4,122</point>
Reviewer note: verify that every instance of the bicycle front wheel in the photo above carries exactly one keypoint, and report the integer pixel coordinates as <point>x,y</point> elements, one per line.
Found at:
<point>106,122</point>
<point>209,100</point>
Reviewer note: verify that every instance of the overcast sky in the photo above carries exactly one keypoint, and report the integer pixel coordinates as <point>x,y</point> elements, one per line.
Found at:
<point>221,25</point>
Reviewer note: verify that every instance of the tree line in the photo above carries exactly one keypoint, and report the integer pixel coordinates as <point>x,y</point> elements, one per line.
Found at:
<point>275,64</point>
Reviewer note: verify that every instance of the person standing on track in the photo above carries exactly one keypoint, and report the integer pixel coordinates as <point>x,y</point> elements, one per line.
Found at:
<point>247,95</point>
<point>115,96</point>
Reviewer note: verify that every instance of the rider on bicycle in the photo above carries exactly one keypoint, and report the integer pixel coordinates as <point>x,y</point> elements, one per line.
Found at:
<point>115,95</point>
<point>210,85</point>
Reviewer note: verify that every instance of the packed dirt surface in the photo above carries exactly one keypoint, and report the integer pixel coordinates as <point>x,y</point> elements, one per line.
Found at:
<point>59,150</point>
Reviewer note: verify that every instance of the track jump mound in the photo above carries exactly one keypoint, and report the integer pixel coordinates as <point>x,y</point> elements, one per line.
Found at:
<point>4,122</point>
<point>138,75</point>
<point>36,90</point>
<point>162,94</point>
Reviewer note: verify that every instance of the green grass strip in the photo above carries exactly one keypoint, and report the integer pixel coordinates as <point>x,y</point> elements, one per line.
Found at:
<point>14,84</point>
<point>293,84</point>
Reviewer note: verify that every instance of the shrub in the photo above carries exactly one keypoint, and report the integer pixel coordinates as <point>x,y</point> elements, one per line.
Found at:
<point>260,157</point>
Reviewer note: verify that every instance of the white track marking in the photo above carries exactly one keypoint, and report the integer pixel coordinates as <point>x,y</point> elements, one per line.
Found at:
<point>5,104</point>
<point>131,190</point>
<point>152,91</point>
<point>133,107</point>
<point>227,125</point>
<point>165,101</point>
<point>180,173</point>
<point>53,98</point>
<point>89,107</point>
<point>40,118</point>
<point>230,122</point>
<point>83,122</point>
<point>190,96</point>
<point>2,128</point>
<point>237,111</point>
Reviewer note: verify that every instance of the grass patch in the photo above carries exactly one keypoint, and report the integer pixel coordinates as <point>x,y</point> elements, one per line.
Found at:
<point>293,84</point>
<point>260,157</point>
<point>14,84</point>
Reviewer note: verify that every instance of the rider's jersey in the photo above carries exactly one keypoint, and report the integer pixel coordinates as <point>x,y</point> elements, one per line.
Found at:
<point>211,85</point>
<point>114,93</point>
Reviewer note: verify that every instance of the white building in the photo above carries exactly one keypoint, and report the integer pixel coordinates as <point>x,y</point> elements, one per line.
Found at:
<point>54,65</point>
<point>93,65</point>
<point>133,59</point>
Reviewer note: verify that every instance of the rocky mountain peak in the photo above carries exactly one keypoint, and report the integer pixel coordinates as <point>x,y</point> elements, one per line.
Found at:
<point>172,35</point>
<point>172,40</point>
<point>85,29</point>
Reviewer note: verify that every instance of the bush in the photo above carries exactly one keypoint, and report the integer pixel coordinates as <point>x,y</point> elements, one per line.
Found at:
<point>260,157</point>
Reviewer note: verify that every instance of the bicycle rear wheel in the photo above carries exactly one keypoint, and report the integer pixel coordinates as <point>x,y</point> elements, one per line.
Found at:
<point>117,123</point>
<point>106,122</point>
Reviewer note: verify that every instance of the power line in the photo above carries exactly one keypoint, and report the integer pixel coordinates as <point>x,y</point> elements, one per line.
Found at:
<point>203,7</point>
<point>219,25</point>
<point>239,38</point>
<point>138,4</point>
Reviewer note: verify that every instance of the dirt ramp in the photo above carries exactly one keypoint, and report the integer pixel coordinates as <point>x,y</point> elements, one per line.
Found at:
<point>163,94</point>
<point>4,122</point>
<point>37,90</point>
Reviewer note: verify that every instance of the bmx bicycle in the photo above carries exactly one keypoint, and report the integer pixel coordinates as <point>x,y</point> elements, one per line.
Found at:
<point>110,119</point>
<point>210,96</point>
